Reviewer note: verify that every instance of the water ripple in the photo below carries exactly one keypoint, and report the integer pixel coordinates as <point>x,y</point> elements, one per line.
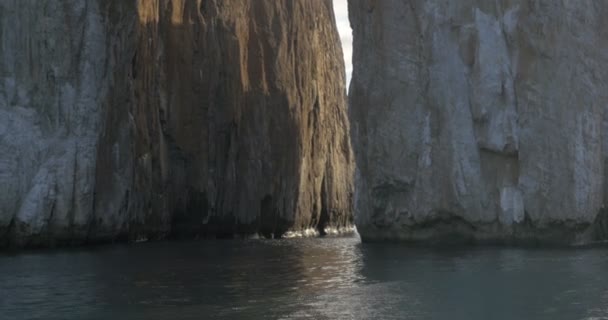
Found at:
<point>331,278</point>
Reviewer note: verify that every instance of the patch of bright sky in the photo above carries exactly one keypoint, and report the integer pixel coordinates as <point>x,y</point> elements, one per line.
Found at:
<point>346,35</point>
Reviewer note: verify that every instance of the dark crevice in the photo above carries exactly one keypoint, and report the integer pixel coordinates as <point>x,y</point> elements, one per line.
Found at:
<point>324,218</point>
<point>600,226</point>
<point>267,219</point>
<point>134,66</point>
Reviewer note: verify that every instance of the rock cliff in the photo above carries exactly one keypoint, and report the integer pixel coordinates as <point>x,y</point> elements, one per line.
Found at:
<point>480,121</point>
<point>148,118</point>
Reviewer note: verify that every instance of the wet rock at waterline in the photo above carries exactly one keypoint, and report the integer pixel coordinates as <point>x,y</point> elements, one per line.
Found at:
<point>140,119</point>
<point>480,121</point>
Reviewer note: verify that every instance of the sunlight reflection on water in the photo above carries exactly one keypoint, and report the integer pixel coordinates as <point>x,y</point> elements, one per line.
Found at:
<point>331,278</point>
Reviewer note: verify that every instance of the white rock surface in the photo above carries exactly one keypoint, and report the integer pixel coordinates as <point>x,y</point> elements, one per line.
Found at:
<point>480,120</point>
<point>50,113</point>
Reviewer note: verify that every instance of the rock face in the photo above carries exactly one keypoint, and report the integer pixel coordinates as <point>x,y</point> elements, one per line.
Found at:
<point>480,121</point>
<point>146,118</point>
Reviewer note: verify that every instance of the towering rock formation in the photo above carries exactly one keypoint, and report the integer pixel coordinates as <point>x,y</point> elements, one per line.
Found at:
<point>142,118</point>
<point>480,120</point>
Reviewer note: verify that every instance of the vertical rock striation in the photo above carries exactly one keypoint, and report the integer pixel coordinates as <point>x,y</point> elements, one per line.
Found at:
<point>145,118</point>
<point>480,121</point>
<point>251,114</point>
<point>55,69</point>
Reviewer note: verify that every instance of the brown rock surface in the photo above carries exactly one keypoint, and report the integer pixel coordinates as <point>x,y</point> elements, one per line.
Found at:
<point>150,117</point>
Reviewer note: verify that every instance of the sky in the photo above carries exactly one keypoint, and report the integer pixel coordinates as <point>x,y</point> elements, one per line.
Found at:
<point>341,10</point>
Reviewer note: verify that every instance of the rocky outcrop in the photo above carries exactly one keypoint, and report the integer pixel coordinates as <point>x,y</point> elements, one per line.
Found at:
<point>145,118</point>
<point>480,121</point>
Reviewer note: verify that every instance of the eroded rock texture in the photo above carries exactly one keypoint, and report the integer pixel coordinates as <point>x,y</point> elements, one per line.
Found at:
<point>480,120</point>
<point>145,118</point>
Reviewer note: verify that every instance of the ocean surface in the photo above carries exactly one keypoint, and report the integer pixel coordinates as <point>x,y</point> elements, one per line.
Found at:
<point>328,278</point>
